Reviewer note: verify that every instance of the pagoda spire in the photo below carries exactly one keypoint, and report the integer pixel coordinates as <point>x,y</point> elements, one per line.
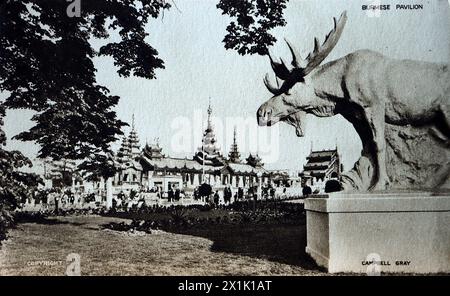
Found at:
<point>209,152</point>
<point>234,155</point>
<point>209,127</point>
<point>133,140</point>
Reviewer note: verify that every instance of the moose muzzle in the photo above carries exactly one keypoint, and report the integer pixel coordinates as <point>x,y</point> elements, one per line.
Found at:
<point>269,114</point>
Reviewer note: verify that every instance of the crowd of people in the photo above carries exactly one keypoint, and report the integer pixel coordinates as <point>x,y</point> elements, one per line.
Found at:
<point>57,198</point>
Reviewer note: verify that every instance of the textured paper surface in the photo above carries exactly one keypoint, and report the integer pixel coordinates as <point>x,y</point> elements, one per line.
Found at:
<point>212,100</point>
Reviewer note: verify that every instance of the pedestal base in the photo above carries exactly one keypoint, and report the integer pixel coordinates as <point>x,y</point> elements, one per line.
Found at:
<point>398,232</point>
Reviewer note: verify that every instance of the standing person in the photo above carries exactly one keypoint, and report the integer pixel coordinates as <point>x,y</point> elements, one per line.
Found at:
<point>227,195</point>
<point>196,195</point>
<point>216,198</point>
<point>177,194</point>
<point>250,193</point>
<point>272,192</point>
<point>170,194</point>
<point>114,204</point>
<point>44,200</point>
<point>283,195</point>
<point>57,198</point>
<point>240,193</point>
<point>255,197</point>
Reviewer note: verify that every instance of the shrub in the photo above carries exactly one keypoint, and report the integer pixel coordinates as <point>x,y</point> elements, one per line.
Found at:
<point>6,221</point>
<point>245,216</point>
<point>178,215</point>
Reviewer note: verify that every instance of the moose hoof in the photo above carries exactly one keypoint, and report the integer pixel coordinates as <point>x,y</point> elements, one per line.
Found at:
<point>380,186</point>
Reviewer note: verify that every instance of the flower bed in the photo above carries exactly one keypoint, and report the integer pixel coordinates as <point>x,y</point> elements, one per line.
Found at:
<point>179,217</point>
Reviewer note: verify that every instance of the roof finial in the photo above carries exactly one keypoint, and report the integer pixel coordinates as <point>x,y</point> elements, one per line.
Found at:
<point>209,107</point>
<point>209,113</point>
<point>132,122</point>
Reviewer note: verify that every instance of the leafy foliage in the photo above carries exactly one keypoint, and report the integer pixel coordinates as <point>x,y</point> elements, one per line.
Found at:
<point>97,166</point>
<point>242,212</point>
<point>46,65</point>
<point>14,183</point>
<point>204,190</point>
<point>6,221</point>
<point>249,32</point>
<point>178,215</point>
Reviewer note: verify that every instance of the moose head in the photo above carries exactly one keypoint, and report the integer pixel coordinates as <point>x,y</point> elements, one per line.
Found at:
<point>298,92</point>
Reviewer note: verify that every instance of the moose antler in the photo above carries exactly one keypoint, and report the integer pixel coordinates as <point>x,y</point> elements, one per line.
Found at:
<point>302,67</point>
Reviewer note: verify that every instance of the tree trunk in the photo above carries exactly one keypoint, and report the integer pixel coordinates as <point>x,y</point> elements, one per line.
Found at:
<point>109,193</point>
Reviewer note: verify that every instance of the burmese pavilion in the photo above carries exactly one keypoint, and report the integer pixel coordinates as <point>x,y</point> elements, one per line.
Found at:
<point>149,168</point>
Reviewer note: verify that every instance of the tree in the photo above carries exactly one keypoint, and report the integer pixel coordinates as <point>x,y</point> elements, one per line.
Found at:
<point>98,166</point>
<point>204,190</point>
<point>15,184</point>
<point>46,65</point>
<point>249,32</point>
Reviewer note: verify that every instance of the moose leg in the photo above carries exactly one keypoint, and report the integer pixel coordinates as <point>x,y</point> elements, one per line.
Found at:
<point>377,124</point>
<point>441,132</point>
<point>445,115</point>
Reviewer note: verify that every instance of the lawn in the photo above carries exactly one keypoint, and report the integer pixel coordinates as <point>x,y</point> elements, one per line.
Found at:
<point>210,250</point>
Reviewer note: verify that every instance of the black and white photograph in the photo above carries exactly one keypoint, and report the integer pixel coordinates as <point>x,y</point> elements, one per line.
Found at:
<point>224,138</point>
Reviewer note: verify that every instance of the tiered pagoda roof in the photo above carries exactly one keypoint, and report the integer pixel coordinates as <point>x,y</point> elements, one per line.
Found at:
<point>234,155</point>
<point>129,152</point>
<point>254,160</point>
<point>321,163</point>
<point>208,158</point>
<point>153,151</point>
<point>209,153</point>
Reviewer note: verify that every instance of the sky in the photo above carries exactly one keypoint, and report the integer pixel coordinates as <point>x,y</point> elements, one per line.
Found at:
<point>199,70</point>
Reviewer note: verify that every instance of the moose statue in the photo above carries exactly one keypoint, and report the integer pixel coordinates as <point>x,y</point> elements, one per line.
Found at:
<point>399,108</point>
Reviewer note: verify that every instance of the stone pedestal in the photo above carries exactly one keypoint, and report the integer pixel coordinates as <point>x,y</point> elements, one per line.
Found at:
<point>393,233</point>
